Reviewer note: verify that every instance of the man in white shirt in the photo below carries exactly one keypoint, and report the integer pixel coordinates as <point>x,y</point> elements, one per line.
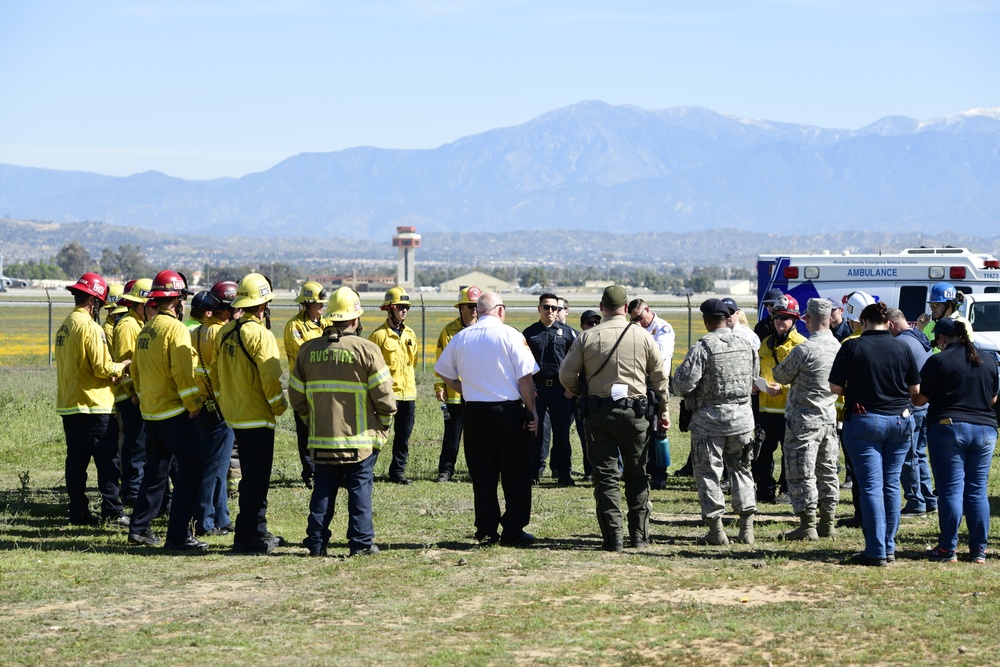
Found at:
<point>663,334</point>
<point>490,364</point>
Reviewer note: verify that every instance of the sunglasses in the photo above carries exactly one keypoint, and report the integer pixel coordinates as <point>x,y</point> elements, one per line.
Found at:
<point>784,318</point>
<point>551,309</point>
<point>404,307</point>
<point>593,323</point>
<point>470,306</point>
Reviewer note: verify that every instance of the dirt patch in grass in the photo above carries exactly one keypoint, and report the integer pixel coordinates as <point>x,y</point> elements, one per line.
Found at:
<point>749,595</point>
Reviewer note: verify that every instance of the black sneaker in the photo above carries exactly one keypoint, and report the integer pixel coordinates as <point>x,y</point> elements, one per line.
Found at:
<point>276,540</point>
<point>939,555</point>
<point>862,559</point>
<point>189,546</point>
<point>87,519</point>
<point>487,540</point>
<point>849,522</point>
<point>658,484</point>
<point>521,540</point>
<point>147,538</point>
<point>120,520</point>
<point>261,547</point>
<point>399,479</point>
<point>443,477</point>
<point>912,512</point>
<point>565,480</point>
<point>369,551</point>
<point>320,551</point>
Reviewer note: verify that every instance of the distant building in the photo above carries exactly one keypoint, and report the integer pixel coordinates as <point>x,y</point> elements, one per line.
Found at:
<point>406,240</point>
<point>485,282</point>
<point>732,287</point>
<point>356,282</point>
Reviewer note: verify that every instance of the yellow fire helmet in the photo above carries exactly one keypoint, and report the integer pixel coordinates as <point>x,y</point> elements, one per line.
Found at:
<point>468,295</point>
<point>253,290</point>
<point>344,305</point>
<point>311,292</point>
<point>115,292</point>
<point>395,296</point>
<point>137,291</point>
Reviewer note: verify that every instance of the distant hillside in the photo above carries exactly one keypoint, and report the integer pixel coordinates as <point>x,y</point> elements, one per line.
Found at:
<point>24,240</point>
<point>591,167</point>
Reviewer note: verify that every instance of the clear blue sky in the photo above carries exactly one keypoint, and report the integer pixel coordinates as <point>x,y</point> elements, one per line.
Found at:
<point>206,88</point>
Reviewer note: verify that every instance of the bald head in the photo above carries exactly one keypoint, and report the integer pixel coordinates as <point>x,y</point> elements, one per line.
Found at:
<point>489,303</point>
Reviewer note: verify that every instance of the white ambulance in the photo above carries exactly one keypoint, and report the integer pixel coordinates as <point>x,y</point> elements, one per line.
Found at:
<point>901,280</point>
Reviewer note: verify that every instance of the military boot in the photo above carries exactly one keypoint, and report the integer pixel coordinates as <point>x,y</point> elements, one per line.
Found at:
<point>746,529</point>
<point>716,533</point>
<point>827,526</point>
<point>806,529</point>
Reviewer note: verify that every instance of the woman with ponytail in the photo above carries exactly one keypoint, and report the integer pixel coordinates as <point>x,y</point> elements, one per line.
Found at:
<point>961,436</point>
<point>878,377</point>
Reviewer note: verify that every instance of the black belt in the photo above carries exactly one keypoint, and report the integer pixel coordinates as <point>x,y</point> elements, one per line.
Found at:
<point>638,404</point>
<point>516,400</point>
<point>547,382</point>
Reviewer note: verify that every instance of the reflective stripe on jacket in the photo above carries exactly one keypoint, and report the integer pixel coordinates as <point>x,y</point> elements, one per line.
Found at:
<point>449,331</point>
<point>342,388</point>
<point>400,354</point>
<point>298,330</point>
<point>85,371</point>
<point>770,403</point>
<point>163,369</point>
<point>126,332</point>
<point>248,388</point>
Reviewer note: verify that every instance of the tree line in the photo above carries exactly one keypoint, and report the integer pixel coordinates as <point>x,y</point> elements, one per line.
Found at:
<point>129,261</point>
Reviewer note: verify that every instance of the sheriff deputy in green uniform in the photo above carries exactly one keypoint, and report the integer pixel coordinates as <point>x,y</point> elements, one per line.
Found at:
<point>617,359</point>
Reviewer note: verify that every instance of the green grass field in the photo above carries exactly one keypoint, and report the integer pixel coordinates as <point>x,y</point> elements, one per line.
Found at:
<point>74,595</point>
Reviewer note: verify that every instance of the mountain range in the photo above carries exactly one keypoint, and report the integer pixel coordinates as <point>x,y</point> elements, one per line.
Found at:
<point>588,167</point>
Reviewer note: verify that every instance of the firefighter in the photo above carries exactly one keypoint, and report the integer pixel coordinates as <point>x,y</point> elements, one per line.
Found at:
<point>163,379</point>
<point>398,343</point>
<point>246,375</point>
<point>305,325</point>
<point>134,314</point>
<point>85,374</point>
<point>115,292</point>
<point>211,516</point>
<point>346,425</point>
<point>451,401</point>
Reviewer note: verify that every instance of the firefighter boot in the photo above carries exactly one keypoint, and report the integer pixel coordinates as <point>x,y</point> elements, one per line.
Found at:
<point>806,529</point>
<point>746,529</point>
<point>827,526</point>
<point>716,533</point>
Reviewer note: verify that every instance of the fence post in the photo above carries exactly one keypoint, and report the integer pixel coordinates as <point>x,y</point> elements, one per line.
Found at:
<point>423,334</point>
<point>49,298</point>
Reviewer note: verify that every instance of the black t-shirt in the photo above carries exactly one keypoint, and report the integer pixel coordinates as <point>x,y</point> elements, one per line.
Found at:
<point>958,390</point>
<point>875,371</point>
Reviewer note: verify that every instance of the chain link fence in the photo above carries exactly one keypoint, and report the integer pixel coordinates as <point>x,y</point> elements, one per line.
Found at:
<point>28,325</point>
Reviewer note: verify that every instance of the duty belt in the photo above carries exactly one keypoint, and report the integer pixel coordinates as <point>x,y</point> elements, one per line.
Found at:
<point>638,405</point>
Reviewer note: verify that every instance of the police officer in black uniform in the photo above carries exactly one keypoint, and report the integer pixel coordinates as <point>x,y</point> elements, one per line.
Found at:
<point>549,340</point>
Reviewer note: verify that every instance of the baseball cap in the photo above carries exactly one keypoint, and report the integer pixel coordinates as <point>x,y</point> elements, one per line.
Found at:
<point>731,304</point>
<point>715,307</point>
<point>589,315</point>
<point>770,296</point>
<point>614,297</point>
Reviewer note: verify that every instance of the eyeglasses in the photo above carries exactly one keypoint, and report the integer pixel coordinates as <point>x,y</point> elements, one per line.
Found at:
<point>551,309</point>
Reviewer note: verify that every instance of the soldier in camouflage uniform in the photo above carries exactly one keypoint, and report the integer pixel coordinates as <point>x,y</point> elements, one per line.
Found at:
<point>715,378</point>
<point>810,447</point>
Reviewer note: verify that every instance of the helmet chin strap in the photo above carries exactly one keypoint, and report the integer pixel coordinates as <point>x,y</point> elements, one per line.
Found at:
<point>392,318</point>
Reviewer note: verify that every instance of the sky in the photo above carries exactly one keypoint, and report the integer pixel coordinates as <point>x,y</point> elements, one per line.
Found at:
<point>201,89</point>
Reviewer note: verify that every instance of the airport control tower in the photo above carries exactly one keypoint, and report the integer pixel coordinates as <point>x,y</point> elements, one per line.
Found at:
<point>407,240</point>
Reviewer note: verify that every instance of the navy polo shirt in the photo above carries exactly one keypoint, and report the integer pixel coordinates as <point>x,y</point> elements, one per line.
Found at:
<point>957,389</point>
<point>875,371</point>
<point>549,347</point>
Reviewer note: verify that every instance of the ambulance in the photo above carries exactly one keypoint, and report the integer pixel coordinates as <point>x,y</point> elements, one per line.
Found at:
<point>901,280</point>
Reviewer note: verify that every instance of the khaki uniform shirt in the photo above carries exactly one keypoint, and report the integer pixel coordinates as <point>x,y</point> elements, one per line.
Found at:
<point>636,359</point>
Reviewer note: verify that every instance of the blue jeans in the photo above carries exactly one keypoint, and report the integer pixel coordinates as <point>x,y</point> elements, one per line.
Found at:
<point>877,445</point>
<point>918,490</point>
<point>961,454</point>
<point>356,479</point>
<point>212,509</point>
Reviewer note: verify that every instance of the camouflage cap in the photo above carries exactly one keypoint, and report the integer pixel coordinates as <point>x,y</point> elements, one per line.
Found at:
<point>819,307</point>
